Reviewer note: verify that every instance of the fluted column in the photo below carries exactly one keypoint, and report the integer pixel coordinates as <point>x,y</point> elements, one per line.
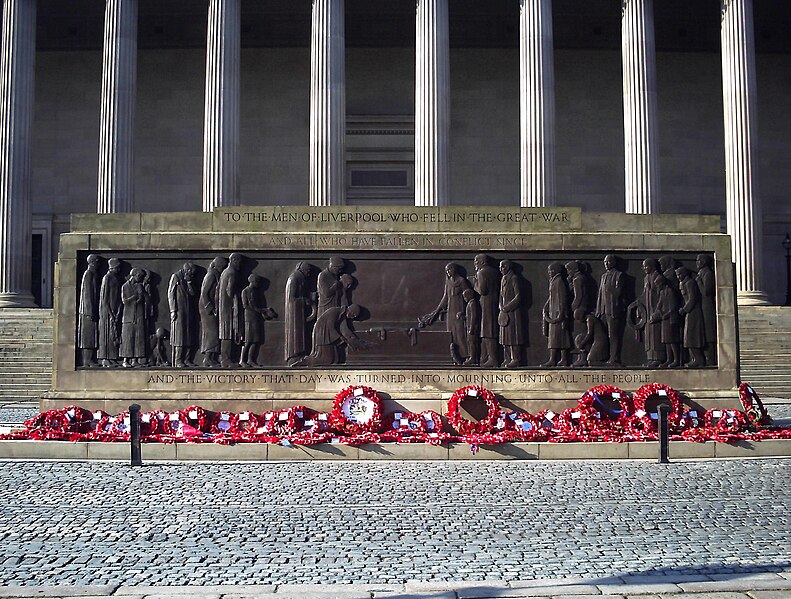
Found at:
<point>221,121</point>
<point>116,129</point>
<point>432,104</point>
<point>537,103</point>
<point>327,104</point>
<point>17,68</point>
<point>639,107</point>
<point>741,142</point>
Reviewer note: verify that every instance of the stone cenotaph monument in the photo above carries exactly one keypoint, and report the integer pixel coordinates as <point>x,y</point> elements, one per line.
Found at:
<point>263,307</point>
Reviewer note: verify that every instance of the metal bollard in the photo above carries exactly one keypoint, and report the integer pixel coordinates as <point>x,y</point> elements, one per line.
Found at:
<point>134,433</point>
<point>664,435</point>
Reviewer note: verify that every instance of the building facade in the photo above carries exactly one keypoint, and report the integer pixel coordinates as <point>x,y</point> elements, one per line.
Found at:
<point>173,105</point>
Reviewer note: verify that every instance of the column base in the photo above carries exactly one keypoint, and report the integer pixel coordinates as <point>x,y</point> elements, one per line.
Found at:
<point>17,300</point>
<point>752,298</point>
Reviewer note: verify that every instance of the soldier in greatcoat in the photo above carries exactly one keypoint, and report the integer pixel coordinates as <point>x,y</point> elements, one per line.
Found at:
<point>512,336</point>
<point>110,308</point>
<point>231,317</point>
<point>557,317</point>
<point>666,315</point>
<point>654,347</point>
<point>487,286</point>
<point>610,307</point>
<point>208,306</point>
<point>694,337</point>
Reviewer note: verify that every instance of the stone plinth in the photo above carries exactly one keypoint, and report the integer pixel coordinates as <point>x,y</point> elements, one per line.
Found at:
<point>396,257</point>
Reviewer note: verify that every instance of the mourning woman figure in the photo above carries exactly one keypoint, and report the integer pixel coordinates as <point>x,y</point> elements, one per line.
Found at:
<point>181,290</point>
<point>300,311</point>
<point>452,304</point>
<point>134,339</point>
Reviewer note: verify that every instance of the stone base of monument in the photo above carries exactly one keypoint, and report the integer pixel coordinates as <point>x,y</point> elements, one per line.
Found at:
<point>61,450</point>
<point>410,391</point>
<point>133,284</point>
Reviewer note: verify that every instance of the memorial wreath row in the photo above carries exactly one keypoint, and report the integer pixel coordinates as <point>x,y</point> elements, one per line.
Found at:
<point>603,413</point>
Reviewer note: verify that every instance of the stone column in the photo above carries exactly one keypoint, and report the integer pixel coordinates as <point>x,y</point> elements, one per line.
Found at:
<point>537,103</point>
<point>116,127</point>
<point>328,104</point>
<point>432,104</point>
<point>221,121</point>
<point>17,78</point>
<point>741,143</point>
<point>639,106</point>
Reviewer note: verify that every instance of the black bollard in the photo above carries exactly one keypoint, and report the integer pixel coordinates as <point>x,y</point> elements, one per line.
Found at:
<point>134,434</point>
<point>664,435</point>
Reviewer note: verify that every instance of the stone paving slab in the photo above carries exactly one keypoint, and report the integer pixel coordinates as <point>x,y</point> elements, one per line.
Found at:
<point>749,584</point>
<point>416,595</point>
<point>190,590</point>
<point>627,589</point>
<point>711,595</point>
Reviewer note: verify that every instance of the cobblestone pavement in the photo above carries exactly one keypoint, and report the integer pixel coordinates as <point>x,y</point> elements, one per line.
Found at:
<point>98,523</point>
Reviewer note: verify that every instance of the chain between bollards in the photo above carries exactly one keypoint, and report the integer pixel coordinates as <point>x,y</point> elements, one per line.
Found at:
<point>664,435</point>
<point>134,435</point>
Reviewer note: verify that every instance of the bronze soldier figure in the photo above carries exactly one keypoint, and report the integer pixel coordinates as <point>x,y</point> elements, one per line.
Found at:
<point>512,336</point>
<point>556,318</point>
<point>694,337</point>
<point>487,286</point>
<point>610,307</point>
<point>110,308</point>
<point>230,310</point>
<point>208,306</point>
